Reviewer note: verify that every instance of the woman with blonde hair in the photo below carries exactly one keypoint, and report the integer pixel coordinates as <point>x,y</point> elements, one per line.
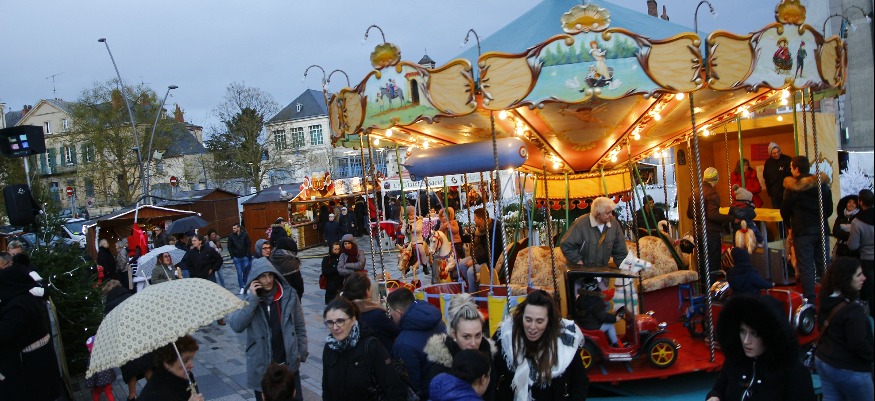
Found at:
<point>464,332</point>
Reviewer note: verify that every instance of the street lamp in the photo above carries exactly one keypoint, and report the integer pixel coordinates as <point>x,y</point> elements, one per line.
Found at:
<point>845,19</point>
<point>133,123</point>
<point>148,183</point>
<point>696,15</point>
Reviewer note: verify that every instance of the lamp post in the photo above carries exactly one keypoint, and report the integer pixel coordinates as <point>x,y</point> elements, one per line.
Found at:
<point>148,183</point>
<point>133,123</point>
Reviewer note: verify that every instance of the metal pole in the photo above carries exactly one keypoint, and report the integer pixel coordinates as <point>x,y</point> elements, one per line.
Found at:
<point>133,124</point>
<point>151,137</point>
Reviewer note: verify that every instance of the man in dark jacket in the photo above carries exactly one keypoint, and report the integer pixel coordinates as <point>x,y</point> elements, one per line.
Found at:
<point>239,246</point>
<point>274,324</point>
<point>332,230</point>
<point>361,216</point>
<point>324,211</point>
<point>648,217</point>
<point>777,167</point>
<point>714,220</point>
<point>418,321</point>
<point>277,231</point>
<point>861,240</point>
<point>285,259</point>
<point>202,261</point>
<point>106,260</point>
<point>159,237</point>
<point>808,224</point>
<point>347,222</point>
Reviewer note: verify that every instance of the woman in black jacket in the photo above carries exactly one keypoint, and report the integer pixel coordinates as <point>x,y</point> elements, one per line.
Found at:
<point>846,210</point>
<point>352,359</point>
<point>169,383</point>
<point>372,315</point>
<point>285,259</point>
<point>333,280</point>
<point>106,260</point>
<point>845,352</point>
<point>202,261</point>
<point>760,350</point>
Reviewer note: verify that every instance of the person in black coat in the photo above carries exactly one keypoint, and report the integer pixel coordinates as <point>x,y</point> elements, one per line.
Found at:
<point>372,315</point>
<point>648,217</point>
<point>106,260</point>
<point>169,383</point>
<point>742,277</point>
<point>27,355</point>
<point>352,359</point>
<point>333,280</point>
<point>761,352</point>
<point>324,211</point>
<point>361,216</point>
<point>285,259</point>
<point>846,211</point>
<point>114,294</point>
<point>332,230</point>
<point>347,222</point>
<point>590,310</point>
<point>277,231</point>
<point>775,169</point>
<point>202,261</point>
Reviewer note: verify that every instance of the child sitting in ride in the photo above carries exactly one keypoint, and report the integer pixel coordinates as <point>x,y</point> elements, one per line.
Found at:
<point>743,210</point>
<point>590,310</point>
<point>740,274</point>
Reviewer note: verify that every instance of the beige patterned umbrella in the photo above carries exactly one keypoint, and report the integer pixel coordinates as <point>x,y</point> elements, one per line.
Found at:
<point>157,316</point>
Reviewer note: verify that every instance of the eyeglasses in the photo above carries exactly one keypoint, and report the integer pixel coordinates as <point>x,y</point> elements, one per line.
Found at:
<point>265,248</point>
<point>339,322</point>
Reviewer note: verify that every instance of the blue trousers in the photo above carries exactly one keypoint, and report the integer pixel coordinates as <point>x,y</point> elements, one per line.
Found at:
<point>842,384</point>
<point>243,266</point>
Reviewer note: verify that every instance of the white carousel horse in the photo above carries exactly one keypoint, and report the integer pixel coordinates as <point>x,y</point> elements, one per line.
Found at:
<point>412,255</point>
<point>442,256</point>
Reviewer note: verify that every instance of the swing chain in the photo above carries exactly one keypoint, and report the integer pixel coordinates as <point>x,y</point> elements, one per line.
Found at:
<point>726,154</point>
<point>819,183</point>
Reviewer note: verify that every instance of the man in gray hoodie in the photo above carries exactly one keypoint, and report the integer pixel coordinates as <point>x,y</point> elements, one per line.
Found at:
<point>274,323</point>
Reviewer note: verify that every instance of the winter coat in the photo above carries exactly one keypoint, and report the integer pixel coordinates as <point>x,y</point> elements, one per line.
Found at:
<point>373,317</point>
<point>481,246</point>
<point>333,280</point>
<point>201,262</point>
<point>347,223</point>
<point>289,265</point>
<point>254,321</point>
<point>744,279</point>
<point>774,172</point>
<point>346,268</point>
<point>349,372</point>
<point>418,324</point>
<point>768,384</point>
<point>161,273</point>
<point>847,343</point>
<point>114,298</point>
<point>277,231</point>
<point>744,210</point>
<point>105,259</point>
<point>862,236</point>
<point>654,216</point>
<point>31,375</point>
<point>160,240</point>
<point>583,242</point>
<point>714,220</point>
<point>164,386</point>
<point>801,205</point>
<point>332,232</point>
<point>590,310</point>
<point>446,387</point>
<point>440,351</point>
<point>239,245</point>
<point>751,183</point>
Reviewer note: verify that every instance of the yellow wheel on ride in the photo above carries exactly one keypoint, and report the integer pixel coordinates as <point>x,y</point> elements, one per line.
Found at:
<point>588,355</point>
<point>662,353</point>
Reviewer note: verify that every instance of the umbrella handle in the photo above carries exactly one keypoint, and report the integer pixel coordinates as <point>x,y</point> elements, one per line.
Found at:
<point>192,385</point>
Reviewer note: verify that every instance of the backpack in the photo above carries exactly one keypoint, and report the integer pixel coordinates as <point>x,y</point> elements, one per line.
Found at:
<point>375,393</point>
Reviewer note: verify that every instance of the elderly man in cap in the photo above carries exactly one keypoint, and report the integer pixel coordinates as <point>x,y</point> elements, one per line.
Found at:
<point>713,220</point>
<point>777,167</point>
<point>595,237</point>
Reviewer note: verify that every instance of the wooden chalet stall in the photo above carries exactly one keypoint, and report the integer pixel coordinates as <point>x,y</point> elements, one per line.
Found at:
<point>216,206</point>
<point>262,210</point>
<point>304,208</point>
<point>119,224</point>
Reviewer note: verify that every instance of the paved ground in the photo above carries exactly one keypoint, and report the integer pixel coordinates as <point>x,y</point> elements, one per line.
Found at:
<point>220,366</point>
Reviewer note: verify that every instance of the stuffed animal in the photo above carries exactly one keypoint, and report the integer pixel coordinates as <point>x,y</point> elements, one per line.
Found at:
<point>745,238</point>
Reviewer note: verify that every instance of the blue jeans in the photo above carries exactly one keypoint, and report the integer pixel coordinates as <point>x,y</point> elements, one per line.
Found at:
<point>809,257</point>
<point>842,384</point>
<point>243,266</point>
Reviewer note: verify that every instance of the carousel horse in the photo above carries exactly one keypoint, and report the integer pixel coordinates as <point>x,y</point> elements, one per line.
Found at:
<point>441,250</point>
<point>415,253</point>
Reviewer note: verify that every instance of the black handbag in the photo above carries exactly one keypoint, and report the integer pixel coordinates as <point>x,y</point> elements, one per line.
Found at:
<point>375,392</point>
<point>809,356</point>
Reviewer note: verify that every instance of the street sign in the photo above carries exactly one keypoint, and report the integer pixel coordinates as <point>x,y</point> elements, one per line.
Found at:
<point>173,181</point>
<point>69,191</point>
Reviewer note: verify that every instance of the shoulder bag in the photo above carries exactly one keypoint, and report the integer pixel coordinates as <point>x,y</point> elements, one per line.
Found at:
<point>809,356</point>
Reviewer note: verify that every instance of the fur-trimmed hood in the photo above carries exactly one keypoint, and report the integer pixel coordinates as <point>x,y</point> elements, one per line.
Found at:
<point>437,349</point>
<point>366,305</point>
<point>805,183</point>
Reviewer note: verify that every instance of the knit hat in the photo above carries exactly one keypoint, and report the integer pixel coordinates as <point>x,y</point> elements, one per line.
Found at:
<point>742,194</point>
<point>279,220</point>
<point>773,145</point>
<point>735,257</point>
<point>711,174</point>
<point>330,215</point>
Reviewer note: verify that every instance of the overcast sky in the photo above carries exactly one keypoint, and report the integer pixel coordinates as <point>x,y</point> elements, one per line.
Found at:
<point>202,45</point>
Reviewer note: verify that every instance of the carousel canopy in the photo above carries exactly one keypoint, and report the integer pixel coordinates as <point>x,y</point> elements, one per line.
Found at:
<point>587,88</point>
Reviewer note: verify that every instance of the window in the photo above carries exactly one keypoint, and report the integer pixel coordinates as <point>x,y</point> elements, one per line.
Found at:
<point>315,135</point>
<point>55,191</point>
<point>51,153</point>
<point>298,137</point>
<point>87,152</point>
<point>298,108</point>
<point>89,188</point>
<point>47,127</point>
<point>279,140</point>
<point>159,167</point>
<point>69,155</point>
<point>66,123</point>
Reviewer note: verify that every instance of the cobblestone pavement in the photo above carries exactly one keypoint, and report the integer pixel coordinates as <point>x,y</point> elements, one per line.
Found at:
<point>220,366</point>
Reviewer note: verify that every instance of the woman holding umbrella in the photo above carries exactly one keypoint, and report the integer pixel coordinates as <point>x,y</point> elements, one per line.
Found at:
<point>163,270</point>
<point>170,382</point>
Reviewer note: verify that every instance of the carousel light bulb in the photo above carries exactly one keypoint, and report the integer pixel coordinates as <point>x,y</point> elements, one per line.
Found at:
<point>679,96</point>
<point>425,144</point>
<point>705,132</point>
<point>636,136</point>
<point>780,118</point>
<point>785,94</point>
<point>666,153</point>
<point>376,141</point>
<point>613,158</point>
<point>657,116</point>
<point>745,113</point>
<point>502,115</point>
<point>556,165</point>
<point>389,133</point>
<point>784,102</point>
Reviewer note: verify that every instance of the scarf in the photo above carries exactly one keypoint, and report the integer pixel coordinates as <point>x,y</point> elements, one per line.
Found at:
<point>352,254</point>
<point>849,214</point>
<point>347,343</point>
<point>570,338</point>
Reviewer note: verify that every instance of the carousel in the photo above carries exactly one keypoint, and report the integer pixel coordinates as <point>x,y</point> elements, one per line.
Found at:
<point>571,111</point>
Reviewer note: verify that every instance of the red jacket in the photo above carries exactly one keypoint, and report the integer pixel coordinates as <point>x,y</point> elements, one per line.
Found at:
<point>751,183</point>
